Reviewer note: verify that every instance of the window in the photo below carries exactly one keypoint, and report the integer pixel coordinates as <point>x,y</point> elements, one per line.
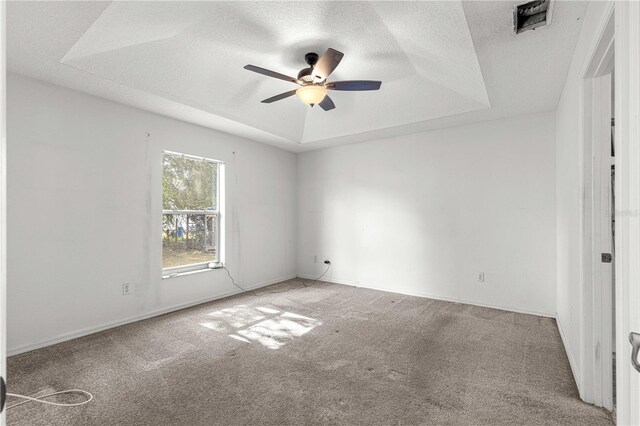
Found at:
<point>190,213</point>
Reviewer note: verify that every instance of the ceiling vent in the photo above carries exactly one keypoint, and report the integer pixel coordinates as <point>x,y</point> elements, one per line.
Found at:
<point>532,15</point>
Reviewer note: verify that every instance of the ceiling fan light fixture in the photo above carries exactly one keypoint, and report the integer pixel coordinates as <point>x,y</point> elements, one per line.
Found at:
<point>311,94</point>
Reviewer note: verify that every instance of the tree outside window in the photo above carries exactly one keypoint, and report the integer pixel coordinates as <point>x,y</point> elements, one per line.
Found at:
<point>190,213</point>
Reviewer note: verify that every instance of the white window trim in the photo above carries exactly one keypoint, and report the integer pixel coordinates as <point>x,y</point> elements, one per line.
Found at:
<point>182,270</point>
<point>194,268</point>
<point>192,157</point>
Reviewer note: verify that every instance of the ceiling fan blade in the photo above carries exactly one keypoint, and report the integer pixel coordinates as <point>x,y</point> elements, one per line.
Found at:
<point>278,97</point>
<point>270,73</point>
<point>327,104</point>
<point>326,64</point>
<point>354,85</point>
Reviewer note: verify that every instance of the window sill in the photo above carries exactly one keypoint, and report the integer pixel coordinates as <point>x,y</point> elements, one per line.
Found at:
<point>167,275</point>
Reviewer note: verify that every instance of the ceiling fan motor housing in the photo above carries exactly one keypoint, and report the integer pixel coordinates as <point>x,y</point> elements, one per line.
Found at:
<point>305,74</point>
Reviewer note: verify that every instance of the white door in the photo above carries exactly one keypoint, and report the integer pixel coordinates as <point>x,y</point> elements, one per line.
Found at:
<point>627,81</point>
<point>602,242</point>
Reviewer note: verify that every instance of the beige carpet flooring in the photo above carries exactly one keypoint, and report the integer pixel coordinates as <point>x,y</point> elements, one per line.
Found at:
<point>324,354</point>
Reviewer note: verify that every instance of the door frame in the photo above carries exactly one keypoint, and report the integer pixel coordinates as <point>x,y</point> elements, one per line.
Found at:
<point>627,136</point>
<point>621,22</point>
<point>3,198</point>
<point>596,370</point>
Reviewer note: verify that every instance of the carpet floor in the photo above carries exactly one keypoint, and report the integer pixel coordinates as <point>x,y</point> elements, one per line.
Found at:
<point>324,354</point>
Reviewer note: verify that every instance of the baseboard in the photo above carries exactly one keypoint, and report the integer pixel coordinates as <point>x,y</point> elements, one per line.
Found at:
<point>572,361</point>
<point>437,297</point>
<point>91,330</point>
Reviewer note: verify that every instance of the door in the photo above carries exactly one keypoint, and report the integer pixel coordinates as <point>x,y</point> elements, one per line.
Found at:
<point>602,240</point>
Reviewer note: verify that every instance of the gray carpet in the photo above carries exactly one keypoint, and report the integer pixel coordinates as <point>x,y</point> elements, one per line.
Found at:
<point>325,354</point>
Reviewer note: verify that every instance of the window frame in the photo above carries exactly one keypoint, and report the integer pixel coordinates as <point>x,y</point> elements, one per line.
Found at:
<point>216,263</point>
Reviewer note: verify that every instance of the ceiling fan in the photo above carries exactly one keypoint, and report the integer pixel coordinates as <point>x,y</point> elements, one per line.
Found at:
<point>313,80</point>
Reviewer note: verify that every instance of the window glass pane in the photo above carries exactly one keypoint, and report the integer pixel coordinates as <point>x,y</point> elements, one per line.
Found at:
<point>189,239</point>
<point>188,184</point>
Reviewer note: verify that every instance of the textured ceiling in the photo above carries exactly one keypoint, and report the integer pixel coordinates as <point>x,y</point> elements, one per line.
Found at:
<point>441,63</point>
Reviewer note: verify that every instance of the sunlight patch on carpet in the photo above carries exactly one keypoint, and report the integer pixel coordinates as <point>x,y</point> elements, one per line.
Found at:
<point>267,326</point>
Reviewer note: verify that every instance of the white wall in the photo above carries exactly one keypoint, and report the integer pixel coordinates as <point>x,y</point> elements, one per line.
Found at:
<point>84,203</point>
<point>570,191</point>
<point>422,214</point>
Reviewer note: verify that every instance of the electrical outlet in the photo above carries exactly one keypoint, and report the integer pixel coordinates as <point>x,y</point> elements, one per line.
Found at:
<point>315,259</point>
<point>480,277</point>
<point>126,289</point>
